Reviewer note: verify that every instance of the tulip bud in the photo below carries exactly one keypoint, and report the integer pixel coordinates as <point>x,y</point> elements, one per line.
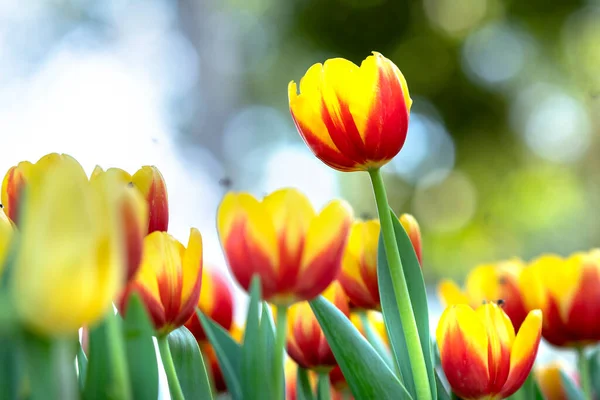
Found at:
<point>69,263</point>
<point>550,381</point>
<point>411,226</point>
<point>306,342</point>
<point>296,252</point>
<point>168,280</point>
<point>480,353</point>
<point>216,301</point>
<point>352,118</point>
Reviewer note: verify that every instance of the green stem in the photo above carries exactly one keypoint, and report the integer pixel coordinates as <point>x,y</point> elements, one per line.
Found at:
<point>118,358</point>
<point>374,339</point>
<point>411,334</point>
<point>323,386</point>
<point>167,360</point>
<point>281,328</point>
<point>584,373</point>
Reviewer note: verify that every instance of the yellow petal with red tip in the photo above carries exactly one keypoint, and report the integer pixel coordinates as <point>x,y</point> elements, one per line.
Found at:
<point>523,353</point>
<point>151,183</point>
<point>450,294</point>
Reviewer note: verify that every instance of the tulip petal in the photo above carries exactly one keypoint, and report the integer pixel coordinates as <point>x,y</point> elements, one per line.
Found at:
<point>450,293</point>
<point>191,277</point>
<point>483,284</point>
<point>152,184</point>
<point>523,353</point>
<point>463,344</point>
<point>582,316</point>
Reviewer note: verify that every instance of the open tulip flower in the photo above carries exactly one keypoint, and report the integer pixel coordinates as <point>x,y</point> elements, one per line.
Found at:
<point>480,353</point>
<point>490,282</point>
<point>568,292</point>
<point>359,265</point>
<point>216,301</point>
<point>352,118</point>
<point>168,280</point>
<point>296,252</point>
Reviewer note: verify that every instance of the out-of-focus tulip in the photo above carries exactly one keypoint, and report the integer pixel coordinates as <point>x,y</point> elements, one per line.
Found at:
<point>352,118</point>
<point>150,182</point>
<point>306,342</point>
<point>69,264</point>
<point>291,378</point>
<point>296,252</point>
<point>492,282</point>
<point>168,280</point>
<point>134,218</point>
<point>376,321</point>
<point>550,382</point>
<point>359,264</point>
<point>17,178</point>
<point>6,233</point>
<point>481,356</point>
<point>568,293</point>
<point>213,363</point>
<point>216,301</point>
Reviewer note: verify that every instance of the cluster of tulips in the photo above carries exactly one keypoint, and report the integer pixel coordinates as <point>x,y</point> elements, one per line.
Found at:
<point>91,283</point>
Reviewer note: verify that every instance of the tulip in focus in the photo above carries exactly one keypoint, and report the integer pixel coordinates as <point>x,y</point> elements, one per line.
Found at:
<point>216,301</point>
<point>168,280</point>
<point>480,354</point>
<point>296,252</point>
<point>18,177</point>
<point>151,184</point>
<point>490,282</point>
<point>70,262</point>
<point>550,382</point>
<point>359,265</point>
<point>306,343</point>
<point>352,118</point>
<point>568,293</point>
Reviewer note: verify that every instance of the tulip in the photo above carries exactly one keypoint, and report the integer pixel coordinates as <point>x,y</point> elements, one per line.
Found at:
<point>216,301</point>
<point>493,282</point>
<point>567,291</point>
<point>411,226</point>
<point>550,382</point>
<point>295,252</point>
<point>306,342</point>
<point>150,182</point>
<point>69,262</point>
<point>17,178</point>
<point>134,219</point>
<point>359,265</point>
<point>168,280</point>
<point>352,118</point>
<point>6,233</point>
<point>480,354</point>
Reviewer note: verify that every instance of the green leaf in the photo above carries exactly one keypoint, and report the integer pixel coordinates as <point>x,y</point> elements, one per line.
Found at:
<point>11,368</point>
<point>99,377</point>
<point>81,366</point>
<point>571,389</point>
<point>229,354</point>
<point>594,363</point>
<point>303,387</point>
<point>418,297</point>
<point>442,392</point>
<point>141,353</point>
<point>254,363</point>
<point>267,337</point>
<point>367,374</point>
<point>189,365</point>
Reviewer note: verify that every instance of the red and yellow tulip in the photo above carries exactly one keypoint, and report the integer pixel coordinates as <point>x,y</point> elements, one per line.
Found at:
<point>352,118</point>
<point>480,353</point>
<point>306,343</point>
<point>168,280</point>
<point>550,381</point>
<point>216,301</point>
<point>296,252</point>
<point>70,262</point>
<point>490,282</point>
<point>568,293</point>
<point>150,182</point>
<point>359,265</point>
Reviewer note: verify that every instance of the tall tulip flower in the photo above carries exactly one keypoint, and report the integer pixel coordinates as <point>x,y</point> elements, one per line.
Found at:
<point>150,182</point>
<point>216,301</point>
<point>480,354</point>
<point>359,264</point>
<point>69,264</point>
<point>168,280</point>
<point>490,282</point>
<point>296,252</point>
<point>568,293</point>
<point>352,118</point>
<point>17,178</point>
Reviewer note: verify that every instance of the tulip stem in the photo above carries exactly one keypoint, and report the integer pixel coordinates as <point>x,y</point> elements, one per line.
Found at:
<point>167,360</point>
<point>323,386</point>
<point>281,330</point>
<point>584,373</point>
<point>117,355</point>
<point>401,292</point>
